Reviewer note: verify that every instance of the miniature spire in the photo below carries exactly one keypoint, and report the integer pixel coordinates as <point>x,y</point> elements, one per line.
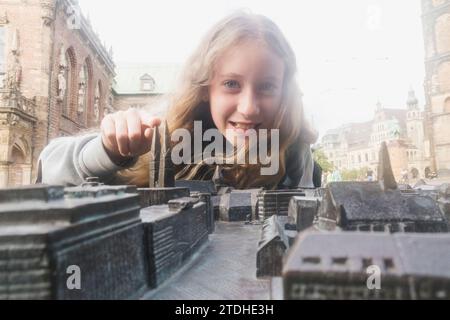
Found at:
<point>166,177</point>
<point>385,174</point>
<point>154,159</point>
<point>218,177</point>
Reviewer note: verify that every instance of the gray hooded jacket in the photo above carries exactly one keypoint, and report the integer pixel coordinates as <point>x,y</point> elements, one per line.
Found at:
<point>69,161</point>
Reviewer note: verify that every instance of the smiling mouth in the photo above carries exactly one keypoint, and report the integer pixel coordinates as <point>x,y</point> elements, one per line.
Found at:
<point>244,126</point>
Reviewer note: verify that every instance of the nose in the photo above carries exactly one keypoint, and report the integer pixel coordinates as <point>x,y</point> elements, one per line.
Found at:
<point>248,104</point>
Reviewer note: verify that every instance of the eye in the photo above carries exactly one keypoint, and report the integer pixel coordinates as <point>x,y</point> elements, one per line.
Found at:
<point>267,87</point>
<point>231,84</point>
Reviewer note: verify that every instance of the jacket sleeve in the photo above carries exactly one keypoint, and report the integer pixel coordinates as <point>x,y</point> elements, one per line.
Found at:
<point>306,181</point>
<point>69,161</point>
<point>299,166</point>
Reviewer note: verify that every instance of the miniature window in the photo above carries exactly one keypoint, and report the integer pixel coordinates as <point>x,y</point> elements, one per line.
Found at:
<point>389,264</point>
<point>311,260</point>
<point>339,260</point>
<point>366,262</point>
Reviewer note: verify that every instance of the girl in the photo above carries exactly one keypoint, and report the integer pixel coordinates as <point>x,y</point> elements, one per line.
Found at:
<point>241,77</point>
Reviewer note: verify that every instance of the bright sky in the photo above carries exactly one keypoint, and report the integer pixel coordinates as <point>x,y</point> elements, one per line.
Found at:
<point>350,53</point>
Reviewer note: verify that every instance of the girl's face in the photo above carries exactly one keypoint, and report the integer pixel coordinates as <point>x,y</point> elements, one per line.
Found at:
<point>246,89</point>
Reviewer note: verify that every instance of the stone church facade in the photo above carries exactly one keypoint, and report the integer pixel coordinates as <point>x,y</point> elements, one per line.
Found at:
<point>355,146</point>
<point>436,28</point>
<point>55,80</point>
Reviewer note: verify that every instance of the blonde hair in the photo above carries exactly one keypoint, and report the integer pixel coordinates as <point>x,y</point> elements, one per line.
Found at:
<point>188,104</point>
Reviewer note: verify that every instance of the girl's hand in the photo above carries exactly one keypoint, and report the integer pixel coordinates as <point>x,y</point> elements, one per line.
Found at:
<point>127,134</point>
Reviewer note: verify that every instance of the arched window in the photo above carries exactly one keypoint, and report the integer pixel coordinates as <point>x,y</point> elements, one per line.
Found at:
<point>2,56</point>
<point>444,76</point>
<point>18,158</point>
<point>82,92</point>
<point>97,102</point>
<point>447,105</point>
<point>85,93</point>
<point>442,30</point>
<point>66,80</point>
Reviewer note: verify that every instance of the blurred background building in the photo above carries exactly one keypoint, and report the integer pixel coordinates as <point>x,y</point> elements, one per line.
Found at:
<point>436,30</point>
<point>418,141</point>
<point>57,79</point>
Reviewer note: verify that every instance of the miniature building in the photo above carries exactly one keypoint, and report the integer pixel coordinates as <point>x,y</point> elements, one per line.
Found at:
<point>378,206</point>
<point>272,202</point>
<point>161,173</point>
<point>425,189</point>
<point>206,186</point>
<point>444,200</point>
<point>302,211</point>
<point>96,229</point>
<point>161,170</point>
<point>272,247</point>
<point>157,196</point>
<point>364,206</point>
<point>338,265</point>
<point>173,232</point>
<point>238,205</point>
<point>206,198</point>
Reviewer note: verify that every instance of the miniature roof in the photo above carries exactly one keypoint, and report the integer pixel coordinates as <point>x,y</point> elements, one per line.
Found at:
<point>366,201</point>
<point>400,253</point>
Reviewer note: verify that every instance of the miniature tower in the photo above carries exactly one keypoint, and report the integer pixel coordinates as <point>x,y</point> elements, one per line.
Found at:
<point>161,169</point>
<point>385,174</point>
<point>166,169</point>
<point>154,159</point>
<point>217,178</point>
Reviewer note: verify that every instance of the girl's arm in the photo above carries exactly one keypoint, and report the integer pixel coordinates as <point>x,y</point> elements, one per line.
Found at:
<point>69,161</point>
<point>124,136</point>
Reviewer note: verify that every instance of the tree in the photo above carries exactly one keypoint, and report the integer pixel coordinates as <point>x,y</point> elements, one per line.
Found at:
<point>354,174</point>
<point>320,157</point>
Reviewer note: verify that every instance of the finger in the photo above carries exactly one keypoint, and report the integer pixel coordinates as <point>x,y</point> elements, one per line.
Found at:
<point>134,131</point>
<point>122,134</point>
<point>109,134</point>
<point>148,120</point>
<point>148,133</point>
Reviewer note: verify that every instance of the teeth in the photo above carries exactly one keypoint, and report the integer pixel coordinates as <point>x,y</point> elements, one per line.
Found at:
<point>244,126</point>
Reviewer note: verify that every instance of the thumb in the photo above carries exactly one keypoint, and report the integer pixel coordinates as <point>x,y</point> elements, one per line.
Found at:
<point>148,120</point>
<point>148,133</point>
